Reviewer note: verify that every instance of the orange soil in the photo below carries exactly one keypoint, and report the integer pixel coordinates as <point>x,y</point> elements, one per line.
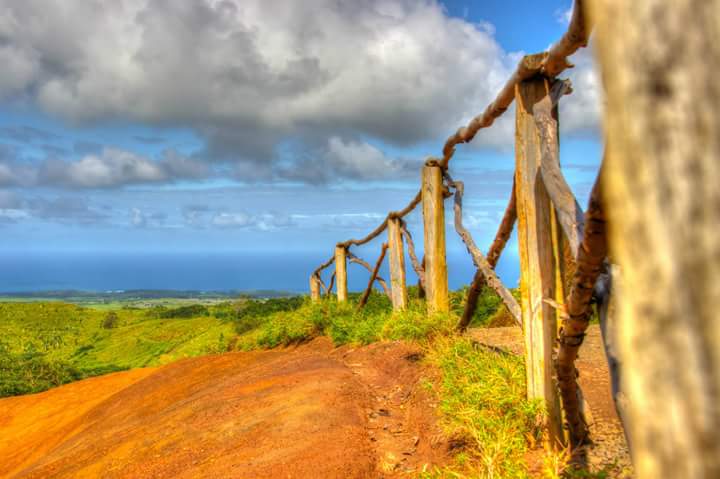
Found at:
<point>310,411</point>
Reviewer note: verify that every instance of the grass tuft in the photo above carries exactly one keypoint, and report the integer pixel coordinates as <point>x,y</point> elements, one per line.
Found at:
<point>485,413</point>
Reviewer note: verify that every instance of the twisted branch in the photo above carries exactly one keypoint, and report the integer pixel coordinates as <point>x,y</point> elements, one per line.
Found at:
<point>327,263</point>
<point>419,269</point>
<point>550,63</point>
<point>362,262</point>
<point>332,283</point>
<point>498,244</point>
<point>373,276</point>
<point>480,262</point>
<point>569,212</point>
<point>383,226</point>
<point>576,317</point>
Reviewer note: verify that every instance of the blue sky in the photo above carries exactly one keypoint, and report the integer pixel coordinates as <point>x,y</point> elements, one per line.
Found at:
<point>281,126</point>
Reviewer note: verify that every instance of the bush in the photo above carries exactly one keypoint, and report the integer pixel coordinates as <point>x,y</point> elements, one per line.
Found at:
<point>249,314</point>
<point>191,311</point>
<point>110,320</point>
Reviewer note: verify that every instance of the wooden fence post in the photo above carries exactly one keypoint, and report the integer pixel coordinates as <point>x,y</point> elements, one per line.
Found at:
<point>341,273</point>
<point>397,265</point>
<point>314,288</point>
<point>540,248</point>
<point>436,279</point>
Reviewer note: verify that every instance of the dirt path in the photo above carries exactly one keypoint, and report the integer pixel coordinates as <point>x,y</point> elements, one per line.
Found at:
<point>311,411</point>
<point>610,450</point>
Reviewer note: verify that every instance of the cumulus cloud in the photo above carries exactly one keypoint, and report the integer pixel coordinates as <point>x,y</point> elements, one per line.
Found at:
<point>113,167</point>
<point>110,168</point>
<point>247,74</point>
<point>347,159</point>
<point>581,112</point>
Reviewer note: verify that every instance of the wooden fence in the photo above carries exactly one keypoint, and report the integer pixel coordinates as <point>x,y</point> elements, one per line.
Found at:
<point>562,251</point>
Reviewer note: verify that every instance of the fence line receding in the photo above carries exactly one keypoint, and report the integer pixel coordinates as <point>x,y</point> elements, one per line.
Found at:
<point>562,251</point>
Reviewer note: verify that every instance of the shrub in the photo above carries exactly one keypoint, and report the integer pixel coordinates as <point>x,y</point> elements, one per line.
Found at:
<point>191,311</point>
<point>110,321</point>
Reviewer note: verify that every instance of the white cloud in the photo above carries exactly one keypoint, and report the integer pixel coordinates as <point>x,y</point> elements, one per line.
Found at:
<point>246,74</point>
<point>581,112</point>
<point>564,15</point>
<point>143,219</point>
<point>113,168</point>
<point>262,222</point>
<point>332,77</point>
<point>233,220</point>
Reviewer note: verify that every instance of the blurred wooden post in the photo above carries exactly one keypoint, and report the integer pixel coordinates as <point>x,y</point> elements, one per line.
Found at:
<point>397,265</point>
<point>314,288</point>
<point>341,273</point>
<point>436,279</point>
<point>539,245</point>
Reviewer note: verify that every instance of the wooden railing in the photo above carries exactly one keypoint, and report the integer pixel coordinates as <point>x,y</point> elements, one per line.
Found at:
<point>561,250</point>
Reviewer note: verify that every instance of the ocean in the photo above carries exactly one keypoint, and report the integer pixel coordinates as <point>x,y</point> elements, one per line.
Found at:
<point>240,271</point>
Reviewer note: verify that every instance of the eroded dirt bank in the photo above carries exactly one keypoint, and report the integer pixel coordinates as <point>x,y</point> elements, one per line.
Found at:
<point>310,411</point>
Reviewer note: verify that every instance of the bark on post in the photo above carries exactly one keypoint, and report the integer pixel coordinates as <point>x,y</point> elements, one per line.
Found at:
<point>436,280</point>
<point>538,241</point>
<point>314,289</point>
<point>341,273</point>
<point>398,287</point>
<point>662,117</point>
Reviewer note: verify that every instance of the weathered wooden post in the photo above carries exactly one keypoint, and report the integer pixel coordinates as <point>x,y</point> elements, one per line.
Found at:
<point>436,279</point>
<point>341,273</point>
<point>398,287</point>
<point>314,289</point>
<point>540,247</point>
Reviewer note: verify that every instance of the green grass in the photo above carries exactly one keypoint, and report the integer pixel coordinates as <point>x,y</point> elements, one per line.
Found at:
<point>484,410</point>
<point>47,344</point>
<point>481,393</point>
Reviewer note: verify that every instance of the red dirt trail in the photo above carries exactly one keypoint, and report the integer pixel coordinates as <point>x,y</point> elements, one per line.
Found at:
<point>310,411</point>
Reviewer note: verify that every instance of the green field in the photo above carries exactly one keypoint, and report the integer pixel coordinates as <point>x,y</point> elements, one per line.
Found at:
<point>47,343</point>
<point>481,394</point>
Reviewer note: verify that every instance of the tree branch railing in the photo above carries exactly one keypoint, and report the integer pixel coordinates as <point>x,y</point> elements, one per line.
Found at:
<point>550,63</point>
<point>373,277</point>
<point>501,238</point>
<point>354,259</point>
<point>563,225</point>
<point>478,259</point>
<point>417,266</point>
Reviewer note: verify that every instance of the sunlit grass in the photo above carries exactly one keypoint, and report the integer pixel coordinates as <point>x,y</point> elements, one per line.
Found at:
<point>484,410</point>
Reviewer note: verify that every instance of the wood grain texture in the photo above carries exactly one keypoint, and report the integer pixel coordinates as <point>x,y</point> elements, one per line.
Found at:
<point>662,120</point>
<point>569,212</point>
<point>314,288</point>
<point>341,273</point>
<point>398,287</point>
<point>539,265</point>
<point>436,280</point>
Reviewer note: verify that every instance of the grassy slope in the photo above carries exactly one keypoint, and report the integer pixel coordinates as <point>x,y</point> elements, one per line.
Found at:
<point>481,393</point>
<point>47,344</point>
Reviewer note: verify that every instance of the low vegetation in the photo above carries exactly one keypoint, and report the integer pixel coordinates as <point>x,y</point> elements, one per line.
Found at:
<point>485,412</point>
<point>481,393</point>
